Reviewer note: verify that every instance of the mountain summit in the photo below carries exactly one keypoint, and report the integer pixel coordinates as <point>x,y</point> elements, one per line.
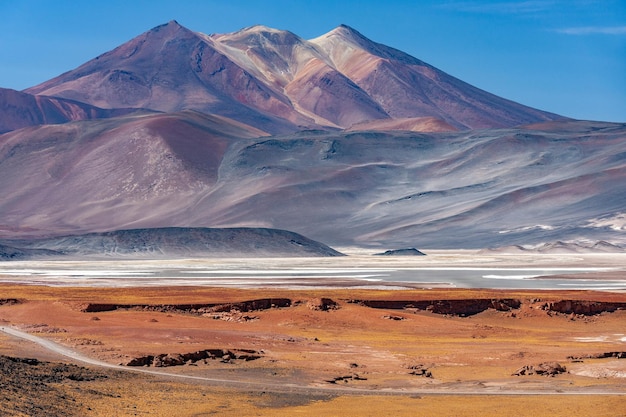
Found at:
<point>278,82</point>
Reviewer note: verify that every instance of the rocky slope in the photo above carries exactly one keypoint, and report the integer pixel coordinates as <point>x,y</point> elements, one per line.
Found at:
<point>474,189</point>
<point>32,387</point>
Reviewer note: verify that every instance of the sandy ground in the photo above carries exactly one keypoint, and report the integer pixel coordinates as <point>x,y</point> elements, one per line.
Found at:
<point>349,359</point>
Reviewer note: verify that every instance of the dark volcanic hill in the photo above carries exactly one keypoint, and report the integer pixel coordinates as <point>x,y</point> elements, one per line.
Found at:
<point>171,242</point>
<point>279,82</point>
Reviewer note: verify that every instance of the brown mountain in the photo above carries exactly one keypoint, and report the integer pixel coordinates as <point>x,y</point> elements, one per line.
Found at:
<point>171,68</point>
<point>279,82</point>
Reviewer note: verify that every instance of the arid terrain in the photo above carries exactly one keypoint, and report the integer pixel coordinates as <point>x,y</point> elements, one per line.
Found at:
<point>339,138</point>
<point>167,205</point>
<point>195,351</point>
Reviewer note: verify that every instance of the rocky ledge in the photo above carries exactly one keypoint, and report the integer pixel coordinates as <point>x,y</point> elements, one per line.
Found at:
<point>177,359</point>
<point>603,355</point>
<point>197,309</point>
<point>583,307</point>
<point>544,369</point>
<point>464,307</point>
<point>402,252</point>
<point>471,306</point>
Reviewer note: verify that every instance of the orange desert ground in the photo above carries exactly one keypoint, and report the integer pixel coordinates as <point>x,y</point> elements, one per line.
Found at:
<point>312,350</point>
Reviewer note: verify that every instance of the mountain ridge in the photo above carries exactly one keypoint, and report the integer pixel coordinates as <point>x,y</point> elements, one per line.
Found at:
<point>275,80</point>
<point>19,109</point>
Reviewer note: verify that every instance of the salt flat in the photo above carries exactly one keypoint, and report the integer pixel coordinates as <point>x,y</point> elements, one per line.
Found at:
<point>439,269</point>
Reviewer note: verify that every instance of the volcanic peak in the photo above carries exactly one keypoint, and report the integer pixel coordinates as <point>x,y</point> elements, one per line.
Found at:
<point>346,36</point>
<point>172,24</point>
<point>260,30</point>
<point>281,83</point>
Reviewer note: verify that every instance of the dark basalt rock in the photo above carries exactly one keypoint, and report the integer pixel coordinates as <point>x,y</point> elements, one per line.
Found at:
<point>197,309</point>
<point>603,355</point>
<point>545,369</point>
<point>402,252</point>
<point>583,307</point>
<point>178,359</point>
<point>462,308</point>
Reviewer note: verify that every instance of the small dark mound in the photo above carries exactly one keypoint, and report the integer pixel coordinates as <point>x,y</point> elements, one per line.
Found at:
<point>402,252</point>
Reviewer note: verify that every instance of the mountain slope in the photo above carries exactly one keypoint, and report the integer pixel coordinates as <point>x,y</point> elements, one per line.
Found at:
<point>18,110</point>
<point>171,68</point>
<point>467,189</point>
<point>279,82</point>
<point>559,181</point>
<point>93,175</point>
<point>407,87</point>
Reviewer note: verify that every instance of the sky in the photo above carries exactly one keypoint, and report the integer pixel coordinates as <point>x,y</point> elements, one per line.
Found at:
<point>563,56</point>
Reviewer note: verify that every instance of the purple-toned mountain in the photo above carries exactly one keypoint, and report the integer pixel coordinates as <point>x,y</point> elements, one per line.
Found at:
<point>260,128</point>
<point>407,87</point>
<point>107,174</point>
<point>278,82</point>
<point>18,110</point>
<point>487,188</point>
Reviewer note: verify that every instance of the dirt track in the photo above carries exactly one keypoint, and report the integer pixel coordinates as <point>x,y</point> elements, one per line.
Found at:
<point>262,385</point>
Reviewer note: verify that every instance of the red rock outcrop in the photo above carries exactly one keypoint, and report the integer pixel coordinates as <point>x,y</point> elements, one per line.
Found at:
<point>322,304</point>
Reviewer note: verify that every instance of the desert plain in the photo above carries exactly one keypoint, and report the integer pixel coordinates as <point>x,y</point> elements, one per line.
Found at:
<point>304,345</point>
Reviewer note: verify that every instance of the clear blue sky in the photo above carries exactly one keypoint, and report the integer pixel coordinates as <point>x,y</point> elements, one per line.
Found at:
<point>563,56</point>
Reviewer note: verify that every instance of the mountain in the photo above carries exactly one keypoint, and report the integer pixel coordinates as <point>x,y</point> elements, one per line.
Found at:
<point>279,82</point>
<point>339,138</point>
<point>559,247</point>
<point>169,243</point>
<point>92,175</point>
<point>18,110</point>
<point>169,69</point>
<point>407,87</point>
<point>10,253</point>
